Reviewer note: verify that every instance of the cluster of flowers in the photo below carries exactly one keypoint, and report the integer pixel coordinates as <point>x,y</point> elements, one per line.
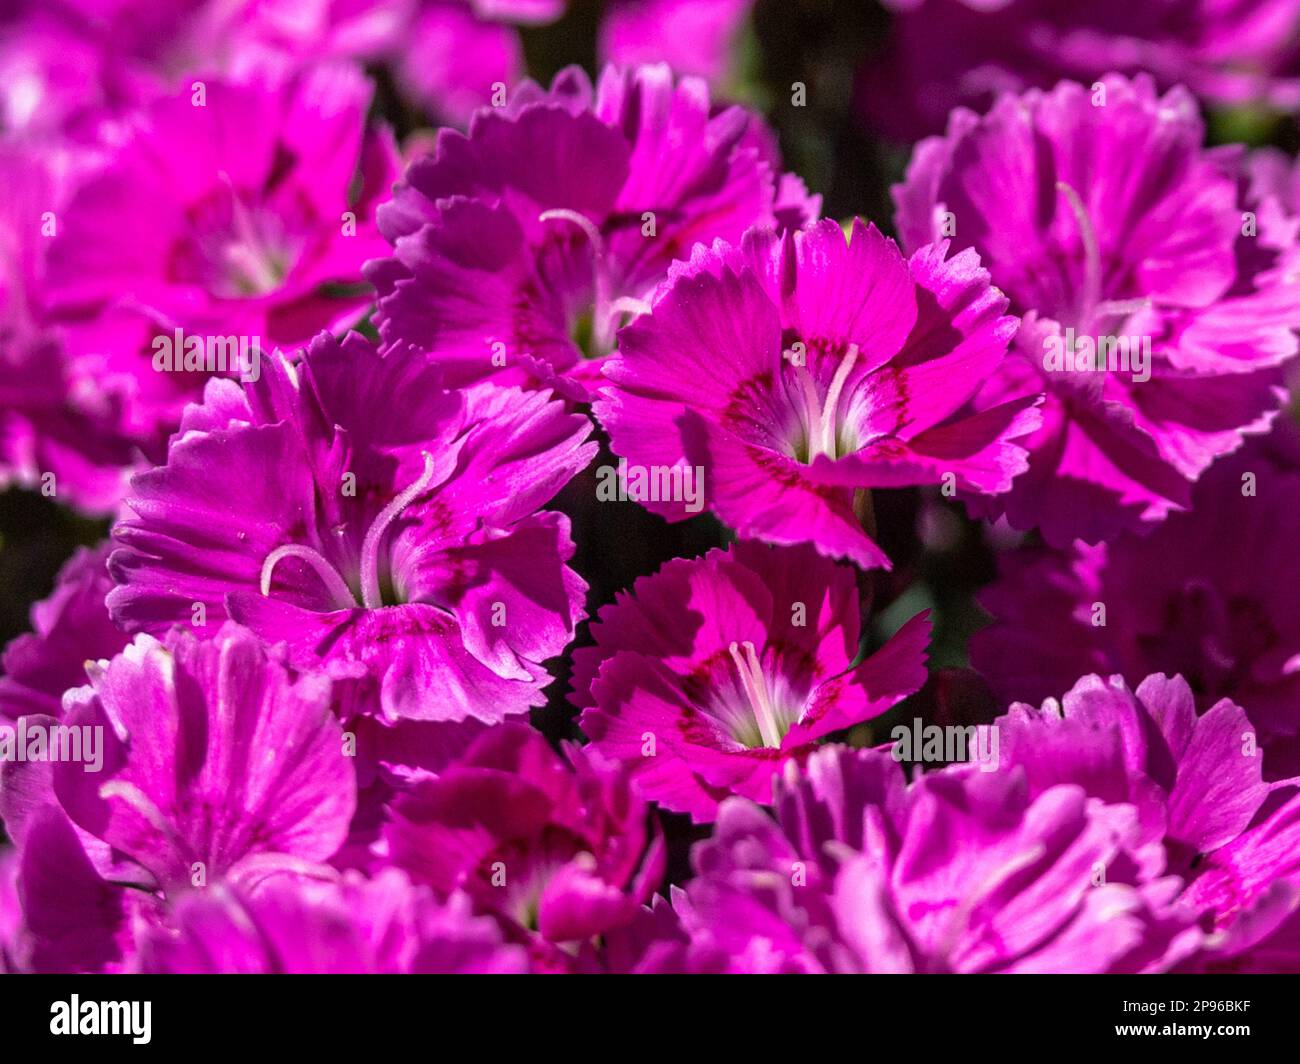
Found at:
<point>333,592</point>
<point>940,53</point>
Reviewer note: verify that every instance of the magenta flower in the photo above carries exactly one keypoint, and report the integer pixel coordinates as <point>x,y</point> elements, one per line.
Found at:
<point>249,231</point>
<point>292,34</point>
<point>453,54</point>
<point>382,528</point>
<point>48,442</point>
<point>70,627</point>
<point>301,926</point>
<point>12,946</point>
<point>695,37</point>
<point>1197,785</point>
<point>53,77</point>
<point>519,249</point>
<point>1275,175</point>
<point>960,872</point>
<point>1175,601</point>
<point>75,68</point>
<point>942,53</point>
<point>1149,246</point>
<point>179,789</point>
<point>73,918</point>
<point>389,760</point>
<point>56,434</point>
<point>1196,781</point>
<point>175,789</point>
<point>796,373</point>
<point>297,715</point>
<point>714,673</point>
<point>1251,889</point>
<point>557,849</point>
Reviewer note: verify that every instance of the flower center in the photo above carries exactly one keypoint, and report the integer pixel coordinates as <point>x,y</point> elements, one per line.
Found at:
<point>243,252</point>
<point>819,414</point>
<point>340,592</point>
<point>1093,313</point>
<point>772,724</point>
<point>594,336</point>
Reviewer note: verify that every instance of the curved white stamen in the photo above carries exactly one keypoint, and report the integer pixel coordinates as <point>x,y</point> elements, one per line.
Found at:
<point>602,310</point>
<point>370,594</point>
<point>822,414</point>
<point>628,305</point>
<point>334,583</point>
<point>829,411</point>
<point>1091,250</point>
<point>750,671</point>
<point>563,214</point>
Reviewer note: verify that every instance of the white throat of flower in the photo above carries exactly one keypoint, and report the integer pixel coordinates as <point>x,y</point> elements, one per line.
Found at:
<point>750,670</point>
<point>607,314</point>
<point>822,414</point>
<point>255,266</point>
